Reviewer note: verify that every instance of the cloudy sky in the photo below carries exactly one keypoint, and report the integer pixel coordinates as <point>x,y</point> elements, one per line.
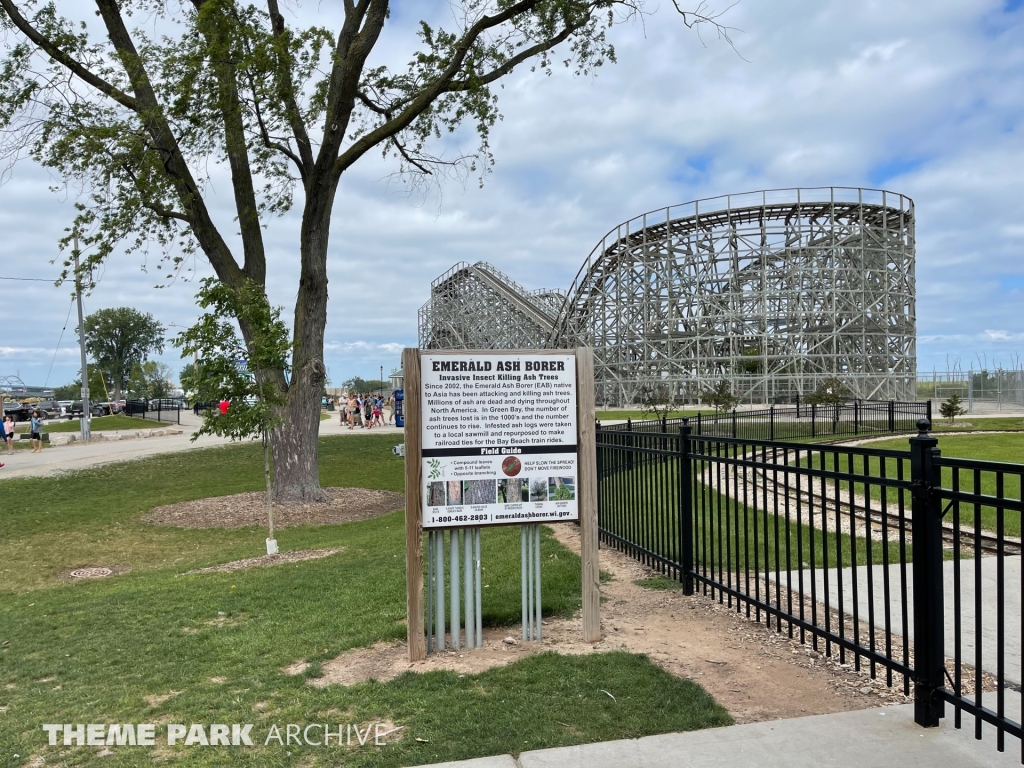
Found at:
<point>923,99</point>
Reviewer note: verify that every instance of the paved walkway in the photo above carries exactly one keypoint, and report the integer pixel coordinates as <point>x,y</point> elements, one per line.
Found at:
<point>868,738</point>
<point>988,605</point>
<point>78,456</point>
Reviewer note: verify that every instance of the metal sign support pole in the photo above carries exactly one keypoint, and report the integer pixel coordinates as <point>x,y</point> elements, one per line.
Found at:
<point>466,534</point>
<point>479,615</point>
<point>453,595</point>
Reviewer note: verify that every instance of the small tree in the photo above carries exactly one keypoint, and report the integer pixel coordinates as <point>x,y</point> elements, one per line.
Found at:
<point>831,392</point>
<point>721,397</point>
<point>655,401</point>
<point>149,380</point>
<point>952,407</point>
<point>237,371</point>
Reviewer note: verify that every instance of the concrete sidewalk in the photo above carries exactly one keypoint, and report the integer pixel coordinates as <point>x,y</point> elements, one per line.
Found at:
<point>76,456</point>
<point>868,738</point>
<point>968,606</point>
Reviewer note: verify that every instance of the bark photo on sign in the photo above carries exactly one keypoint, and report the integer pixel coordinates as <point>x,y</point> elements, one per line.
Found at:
<point>478,491</point>
<point>513,491</point>
<point>435,494</point>
<point>454,493</point>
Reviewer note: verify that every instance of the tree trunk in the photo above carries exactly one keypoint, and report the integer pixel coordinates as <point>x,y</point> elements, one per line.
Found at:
<point>295,448</point>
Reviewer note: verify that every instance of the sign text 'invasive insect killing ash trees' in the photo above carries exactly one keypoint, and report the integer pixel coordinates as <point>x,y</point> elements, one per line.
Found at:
<point>499,439</point>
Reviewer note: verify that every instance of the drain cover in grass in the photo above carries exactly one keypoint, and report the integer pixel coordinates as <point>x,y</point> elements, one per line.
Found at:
<point>90,573</point>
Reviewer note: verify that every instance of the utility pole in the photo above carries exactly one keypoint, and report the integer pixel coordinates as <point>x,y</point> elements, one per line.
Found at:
<point>86,435</point>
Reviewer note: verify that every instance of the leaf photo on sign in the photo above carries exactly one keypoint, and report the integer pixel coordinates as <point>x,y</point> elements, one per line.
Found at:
<point>561,488</point>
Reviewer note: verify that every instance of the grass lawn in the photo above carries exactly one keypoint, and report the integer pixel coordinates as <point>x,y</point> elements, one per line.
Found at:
<point>999,423</point>
<point>88,652</point>
<point>730,535</point>
<point>616,415</point>
<point>98,423</point>
<point>994,447</point>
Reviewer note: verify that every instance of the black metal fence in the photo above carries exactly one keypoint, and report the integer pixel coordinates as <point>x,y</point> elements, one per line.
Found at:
<point>157,410</point>
<point>905,564</point>
<point>788,422</point>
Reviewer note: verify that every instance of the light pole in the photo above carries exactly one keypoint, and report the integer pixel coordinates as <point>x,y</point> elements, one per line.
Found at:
<point>380,389</point>
<point>86,434</point>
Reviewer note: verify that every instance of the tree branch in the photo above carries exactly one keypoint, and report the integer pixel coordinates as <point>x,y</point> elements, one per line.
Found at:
<point>422,101</point>
<point>69,62</point>
<point>229,102</point>
<point>155,122</point>
<point>286,88</point>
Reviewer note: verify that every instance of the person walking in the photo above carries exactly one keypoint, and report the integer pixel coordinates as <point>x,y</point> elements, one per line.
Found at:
<point>35,430</point>
<point>350,410</point>
<point>391,408</point>
<point>8,430</point>
<point>4,438</point>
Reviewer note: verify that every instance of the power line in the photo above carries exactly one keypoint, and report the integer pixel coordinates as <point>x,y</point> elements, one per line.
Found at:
<point>58,343</point>
<point>29,279</point>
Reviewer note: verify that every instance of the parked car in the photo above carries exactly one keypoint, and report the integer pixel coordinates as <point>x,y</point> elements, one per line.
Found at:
<point>48,408</point>
<point>12,408</point>
<point>164,404</point>
<point>103,409</point>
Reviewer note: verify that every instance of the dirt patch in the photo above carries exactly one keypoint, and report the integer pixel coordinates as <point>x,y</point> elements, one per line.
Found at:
<point>264,561</point>
<point>156,699</point>
<point>346,505</point>
<point>755,673</point>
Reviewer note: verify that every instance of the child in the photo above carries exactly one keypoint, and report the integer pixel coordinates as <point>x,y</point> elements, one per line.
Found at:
<point>8,430</point>
<point>36,431</point>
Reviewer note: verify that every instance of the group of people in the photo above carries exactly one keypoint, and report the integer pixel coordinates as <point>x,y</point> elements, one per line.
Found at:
<point>35,431</point>
<point>368,410</point>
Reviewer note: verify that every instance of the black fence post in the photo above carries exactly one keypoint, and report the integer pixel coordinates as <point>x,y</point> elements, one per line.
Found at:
<point>892,416</point>
<point>664,424</point>
<point>856,417</point>
<point>926,529</point>
<point>629,452</point>
<point>700,430</point>
<point>929,415</point>
<point>814,415</point>
<point>598,447</point>
<point>734,423</point>
<point>771,423</point>
<point>685,509</point>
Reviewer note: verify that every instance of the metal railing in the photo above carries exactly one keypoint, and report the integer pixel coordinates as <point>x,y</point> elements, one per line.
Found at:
<point>162,412</point>
<point>788,422</point>
<point>904,564</point>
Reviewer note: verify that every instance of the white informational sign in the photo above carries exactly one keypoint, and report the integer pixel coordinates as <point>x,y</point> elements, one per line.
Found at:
<point>499,438</point>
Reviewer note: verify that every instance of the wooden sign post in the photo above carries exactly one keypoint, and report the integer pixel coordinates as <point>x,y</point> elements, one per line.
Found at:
<point>475,420</point>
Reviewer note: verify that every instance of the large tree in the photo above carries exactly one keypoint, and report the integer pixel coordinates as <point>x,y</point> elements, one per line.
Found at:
<point>135,118</point>
<point>119,339</point>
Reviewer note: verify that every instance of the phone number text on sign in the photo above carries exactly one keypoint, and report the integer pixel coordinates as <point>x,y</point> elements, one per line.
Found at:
<point>498,438</point>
